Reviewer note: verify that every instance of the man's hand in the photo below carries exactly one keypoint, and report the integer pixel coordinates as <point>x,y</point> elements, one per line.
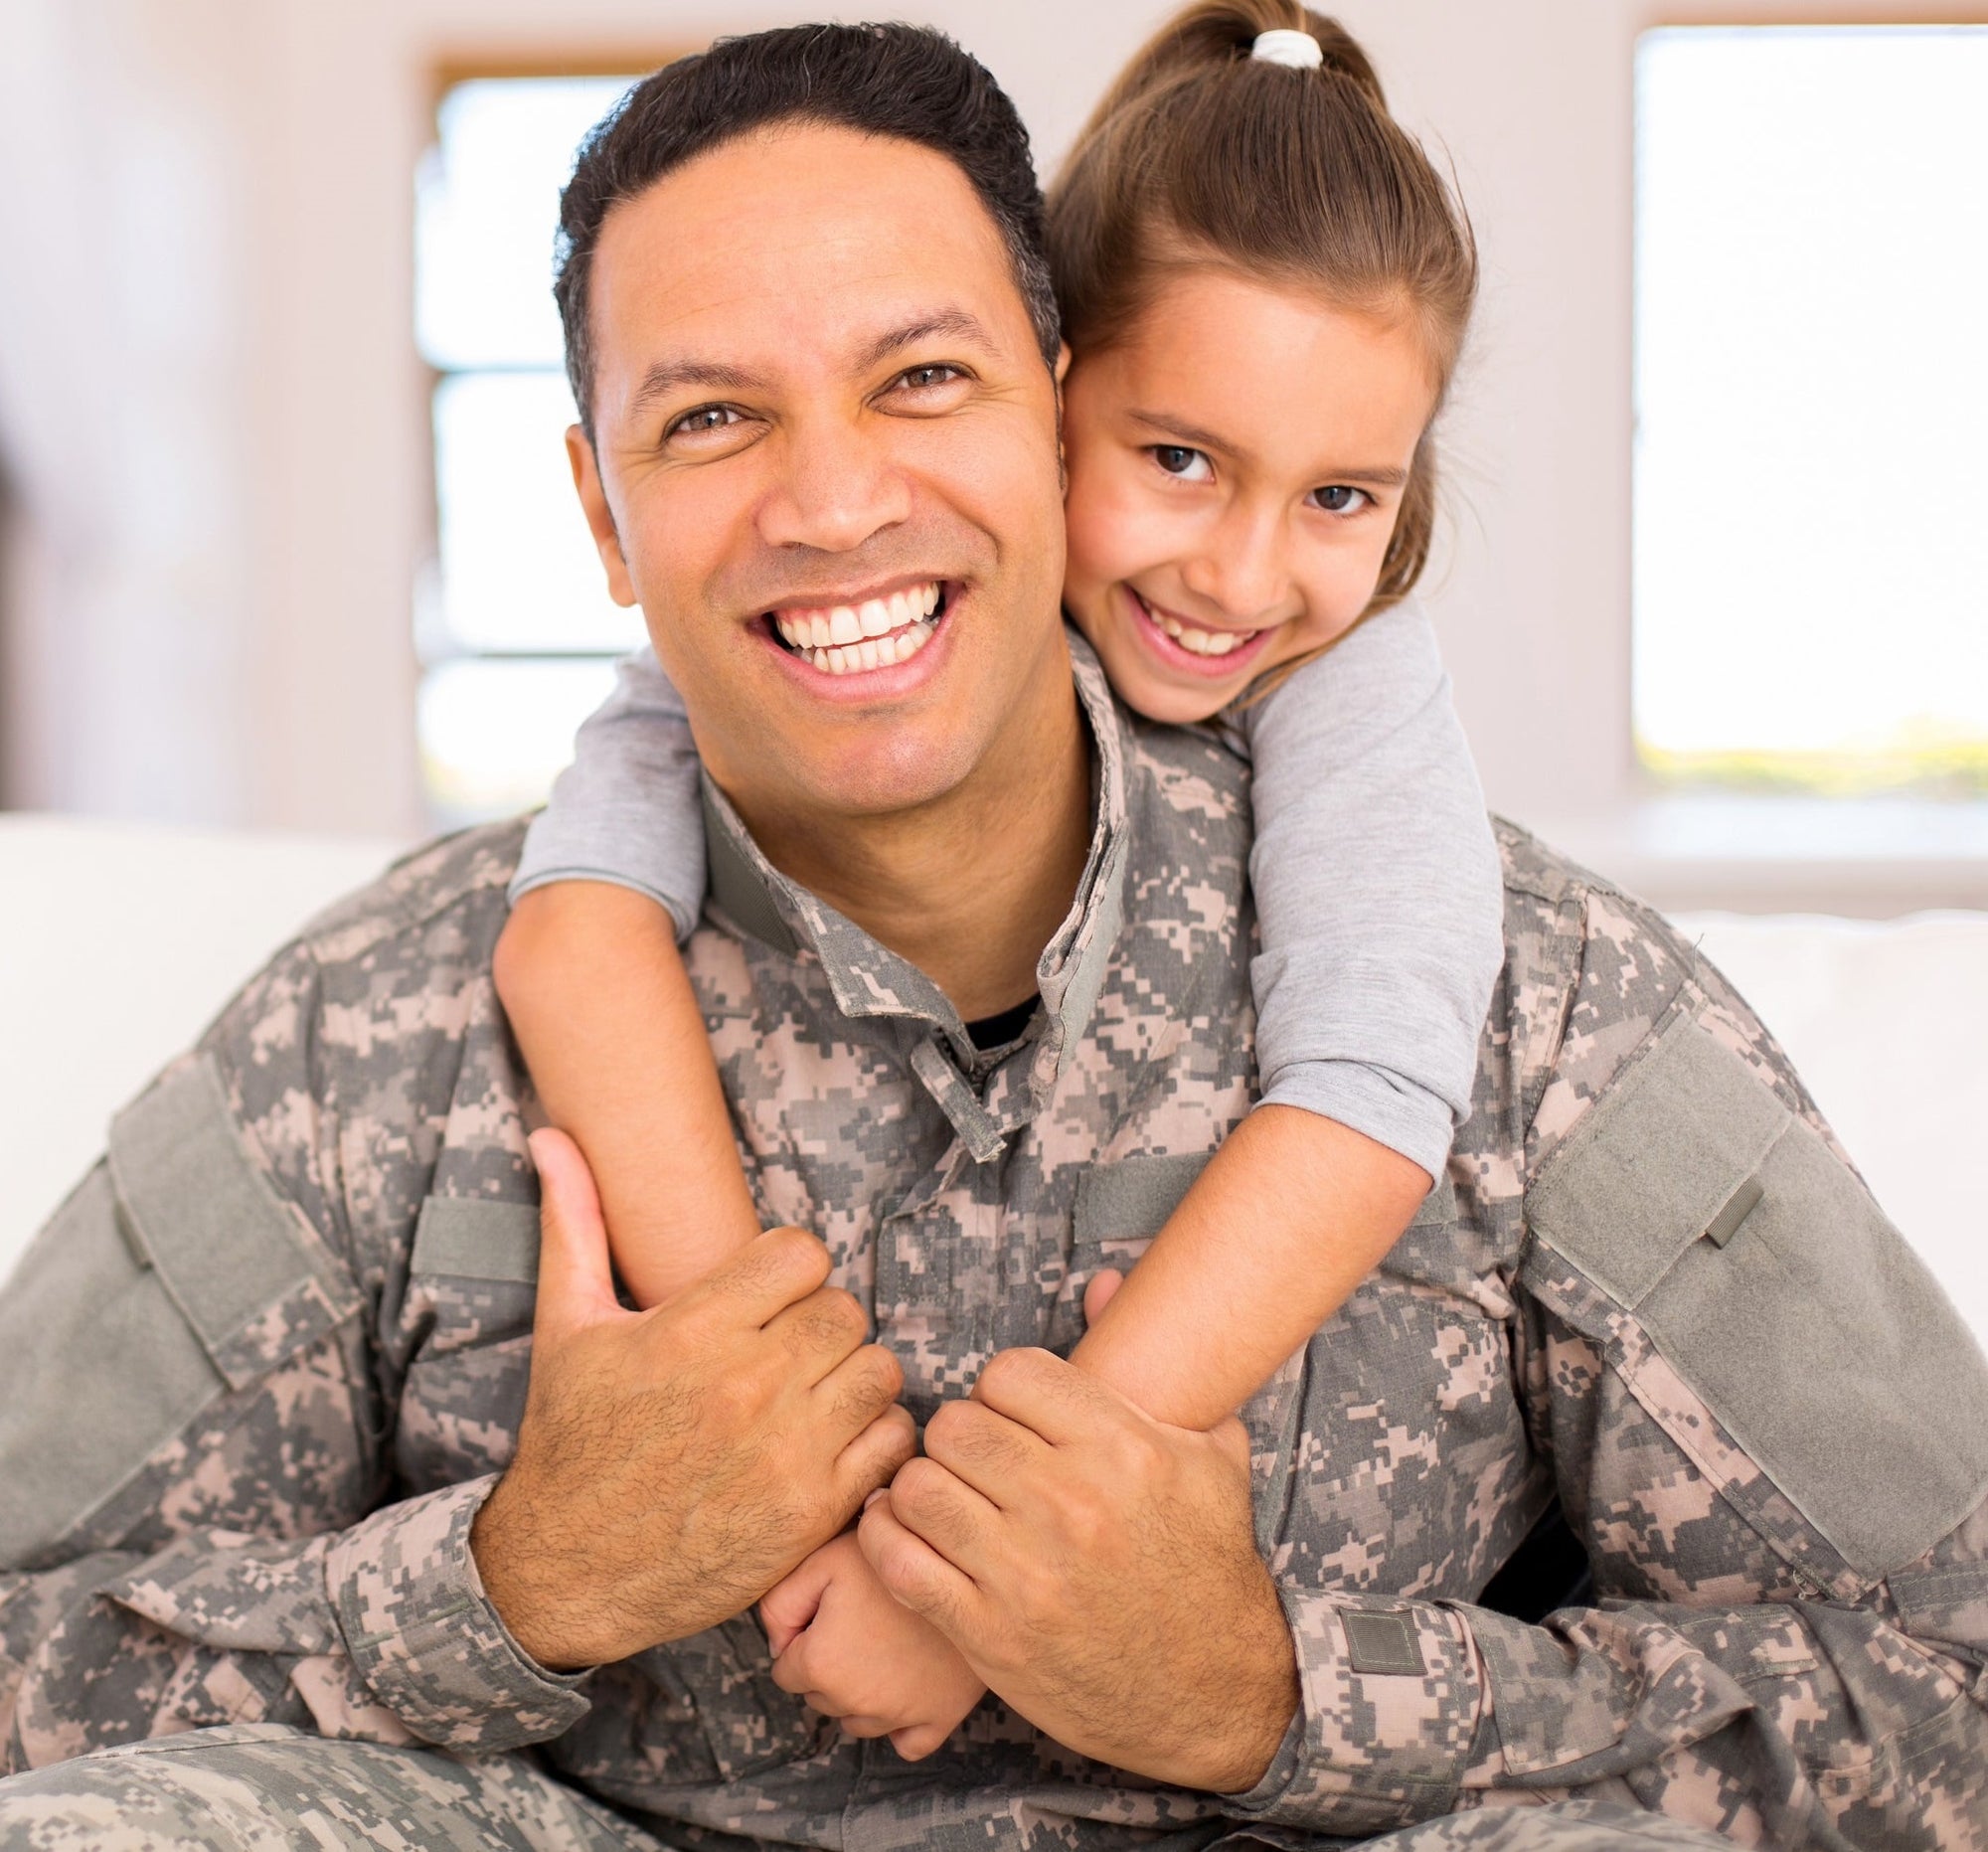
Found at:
<point>1099,1571</point>
<point>672,1465</point>
<point>857,1655</point>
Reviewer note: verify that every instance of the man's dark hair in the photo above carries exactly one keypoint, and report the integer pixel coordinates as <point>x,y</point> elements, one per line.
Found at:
<point>904,80</point>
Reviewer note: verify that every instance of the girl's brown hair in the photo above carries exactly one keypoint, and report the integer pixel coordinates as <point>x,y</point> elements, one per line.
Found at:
<point>1201,153</point>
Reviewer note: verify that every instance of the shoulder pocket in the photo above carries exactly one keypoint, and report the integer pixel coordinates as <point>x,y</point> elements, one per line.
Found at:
<point>173,1274</point>
<point>1771,1281</point>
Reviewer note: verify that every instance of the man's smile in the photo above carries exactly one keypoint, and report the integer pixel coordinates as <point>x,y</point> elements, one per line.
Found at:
<point>872,633</point>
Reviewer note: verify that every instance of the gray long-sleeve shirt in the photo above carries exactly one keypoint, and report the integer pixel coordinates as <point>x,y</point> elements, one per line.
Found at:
<point>1375,873</point>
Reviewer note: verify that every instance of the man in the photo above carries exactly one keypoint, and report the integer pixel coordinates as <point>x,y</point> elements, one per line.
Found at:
<point>293,1510</point>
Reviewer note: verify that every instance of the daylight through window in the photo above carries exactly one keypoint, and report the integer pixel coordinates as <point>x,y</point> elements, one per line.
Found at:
<point>1811,388</point>
<point>516,632</point>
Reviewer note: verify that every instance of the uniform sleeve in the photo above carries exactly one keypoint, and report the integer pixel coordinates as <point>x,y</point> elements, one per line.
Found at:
<point>193,1413</point>
<point>1769,1430</point>
<point>1377,888</point>
<point>627,809</point>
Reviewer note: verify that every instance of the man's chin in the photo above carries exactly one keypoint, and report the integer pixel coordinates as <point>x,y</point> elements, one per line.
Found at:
<point>902,771</point>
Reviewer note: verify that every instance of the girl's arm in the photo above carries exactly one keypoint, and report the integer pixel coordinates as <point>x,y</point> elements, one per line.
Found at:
<point>1381,906</point>
<point>1290,1215</point>
<point>590,975</point>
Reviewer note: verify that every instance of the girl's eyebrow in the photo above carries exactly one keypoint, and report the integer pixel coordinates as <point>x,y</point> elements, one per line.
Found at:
<point>1381,475</point>
<point>1178,428</point>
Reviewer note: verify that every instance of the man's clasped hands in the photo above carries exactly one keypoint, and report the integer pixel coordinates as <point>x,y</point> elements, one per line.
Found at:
<point>1053,1543</point>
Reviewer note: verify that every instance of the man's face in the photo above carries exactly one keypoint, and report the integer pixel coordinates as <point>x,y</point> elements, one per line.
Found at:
<point>825,465</point>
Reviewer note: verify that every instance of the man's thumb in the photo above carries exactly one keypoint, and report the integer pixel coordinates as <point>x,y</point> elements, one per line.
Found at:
<point>1233,1439</point>
<point>1103,1289</point>
<point>576,1276</point>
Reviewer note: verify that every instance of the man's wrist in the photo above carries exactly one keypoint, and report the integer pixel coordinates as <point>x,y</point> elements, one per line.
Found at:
<point>424,1637</point>
<point>535,1608</point>
<point>1243,1754</point>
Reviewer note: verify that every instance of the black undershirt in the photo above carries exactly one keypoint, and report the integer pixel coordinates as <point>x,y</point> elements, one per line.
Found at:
<point>998,1031</point>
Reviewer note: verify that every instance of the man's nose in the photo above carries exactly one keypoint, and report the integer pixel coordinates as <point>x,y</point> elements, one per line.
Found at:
<point>1243,568</point>
<point>838,484</point>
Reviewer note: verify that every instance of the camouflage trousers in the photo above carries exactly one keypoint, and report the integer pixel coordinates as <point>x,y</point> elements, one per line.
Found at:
<point>266,1789</point>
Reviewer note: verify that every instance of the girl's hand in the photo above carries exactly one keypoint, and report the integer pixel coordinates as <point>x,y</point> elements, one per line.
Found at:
<point>855,1653</point>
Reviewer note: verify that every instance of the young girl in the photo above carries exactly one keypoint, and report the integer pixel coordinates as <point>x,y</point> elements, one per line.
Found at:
<point>1265,287</point>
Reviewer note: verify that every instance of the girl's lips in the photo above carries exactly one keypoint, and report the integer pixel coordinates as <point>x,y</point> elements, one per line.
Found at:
<point>1177,656</point>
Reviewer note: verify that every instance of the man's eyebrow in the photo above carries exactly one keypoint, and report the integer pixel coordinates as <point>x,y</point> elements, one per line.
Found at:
<point>1382,475</point>
<point>954,323</point>
<point>668,376</point>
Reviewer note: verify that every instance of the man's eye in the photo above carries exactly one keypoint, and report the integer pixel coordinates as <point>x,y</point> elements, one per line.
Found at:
<point>704,419</point>
<point>1339,499</point>
<point>1179,462</point>
<point>924,378</point>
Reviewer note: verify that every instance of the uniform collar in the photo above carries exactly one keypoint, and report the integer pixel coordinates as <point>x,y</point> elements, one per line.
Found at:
<point>871,982</point>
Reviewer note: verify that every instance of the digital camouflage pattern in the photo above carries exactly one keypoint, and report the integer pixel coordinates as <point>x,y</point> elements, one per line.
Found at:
<point>293,1551</point>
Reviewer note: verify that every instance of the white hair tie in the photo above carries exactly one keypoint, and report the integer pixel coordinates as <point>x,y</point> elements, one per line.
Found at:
<point>1298,51</point>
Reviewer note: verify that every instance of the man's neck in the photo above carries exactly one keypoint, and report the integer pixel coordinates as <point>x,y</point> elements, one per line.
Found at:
<point>972,886</point>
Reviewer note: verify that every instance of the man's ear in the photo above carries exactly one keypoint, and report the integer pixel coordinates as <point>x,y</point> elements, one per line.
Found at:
<point>599,517</point>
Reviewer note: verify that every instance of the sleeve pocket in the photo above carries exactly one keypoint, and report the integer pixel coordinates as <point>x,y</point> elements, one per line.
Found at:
<point>173,1274</point>
<point>1769,1279</point>
<point>472,1290</point>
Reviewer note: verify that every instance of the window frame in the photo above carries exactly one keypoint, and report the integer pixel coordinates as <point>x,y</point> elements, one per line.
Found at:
<point>432,648</point>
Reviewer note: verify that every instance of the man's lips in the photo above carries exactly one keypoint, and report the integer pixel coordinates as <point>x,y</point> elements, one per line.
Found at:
<point>866,634</point>
<point>1195,647</point>
<point>874,646</point>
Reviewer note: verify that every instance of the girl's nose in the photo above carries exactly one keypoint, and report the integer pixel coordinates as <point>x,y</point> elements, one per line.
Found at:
<point>1243,574</point>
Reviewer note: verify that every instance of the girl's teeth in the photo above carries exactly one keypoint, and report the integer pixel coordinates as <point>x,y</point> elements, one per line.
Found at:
<point>1201,642</point>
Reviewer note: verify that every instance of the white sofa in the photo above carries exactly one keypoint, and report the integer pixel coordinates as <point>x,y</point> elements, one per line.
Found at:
<point>117,944</point>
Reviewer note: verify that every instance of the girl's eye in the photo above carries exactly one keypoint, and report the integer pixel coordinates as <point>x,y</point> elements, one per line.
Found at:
<point>1339,499</point>
<point>1182,463</point>
<point>704,420</point>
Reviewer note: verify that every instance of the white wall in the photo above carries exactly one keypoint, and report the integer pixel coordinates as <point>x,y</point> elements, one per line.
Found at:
<point>239,652</point>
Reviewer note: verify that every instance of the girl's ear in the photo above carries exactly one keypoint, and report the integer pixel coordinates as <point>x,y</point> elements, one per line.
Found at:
<point>1061,372</point>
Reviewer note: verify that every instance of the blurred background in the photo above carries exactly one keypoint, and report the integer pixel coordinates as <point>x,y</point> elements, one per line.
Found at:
<point>286,539</point>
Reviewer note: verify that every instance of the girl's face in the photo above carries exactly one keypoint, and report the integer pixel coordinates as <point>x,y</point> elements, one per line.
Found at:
<point>1236,467</point>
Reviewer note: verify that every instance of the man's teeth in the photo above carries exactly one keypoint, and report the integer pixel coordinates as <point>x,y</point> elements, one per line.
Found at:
<point>1202,643</point>
<point>871,635</point>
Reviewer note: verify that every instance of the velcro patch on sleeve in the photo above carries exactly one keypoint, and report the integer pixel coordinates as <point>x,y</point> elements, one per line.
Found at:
<point>1383,1643</point>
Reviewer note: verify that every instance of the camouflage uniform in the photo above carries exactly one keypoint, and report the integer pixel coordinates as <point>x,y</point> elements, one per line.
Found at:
<point>258,1373</point>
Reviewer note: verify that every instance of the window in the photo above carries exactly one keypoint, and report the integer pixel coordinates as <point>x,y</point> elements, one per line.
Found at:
<point>1810,576</point>
<point>514,631</point>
